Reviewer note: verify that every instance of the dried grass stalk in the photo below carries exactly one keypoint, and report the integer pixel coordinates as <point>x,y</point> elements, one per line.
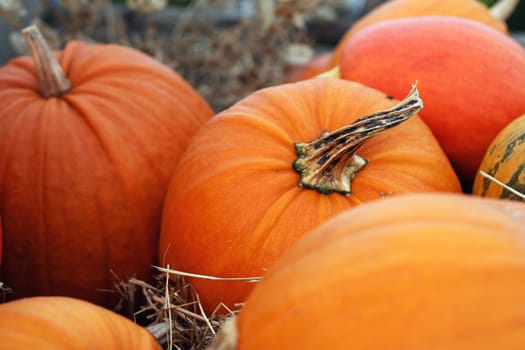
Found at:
<point>502,184</point>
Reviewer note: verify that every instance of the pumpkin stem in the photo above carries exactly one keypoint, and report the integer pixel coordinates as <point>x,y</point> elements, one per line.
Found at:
<point>329,163</point>
<point>53,82</point>
<point>503,9</point>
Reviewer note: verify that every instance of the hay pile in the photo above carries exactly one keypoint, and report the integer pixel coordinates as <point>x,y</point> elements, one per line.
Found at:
<point>173,312</point>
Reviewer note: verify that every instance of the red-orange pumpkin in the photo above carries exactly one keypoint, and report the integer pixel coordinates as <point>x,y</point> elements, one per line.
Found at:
<point>394,9</point>
<point>470,76</point>
<point>236,203</point>
<point>504,161</point>
<point>56,323</point>
<point>1,246</point>
<point>84,172</point>
<point>417,271</point>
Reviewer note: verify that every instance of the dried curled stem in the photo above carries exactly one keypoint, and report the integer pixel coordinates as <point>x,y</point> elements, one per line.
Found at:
<point>329,163</point>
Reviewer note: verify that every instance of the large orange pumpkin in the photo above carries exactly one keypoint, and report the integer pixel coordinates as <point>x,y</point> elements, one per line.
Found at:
<point>85,162</point>
<point>504,161</point>
<point>235,201</point>
<point>57,323</point>
<point>394,9</point>
<point>470,76</point>
<point>417,271</point>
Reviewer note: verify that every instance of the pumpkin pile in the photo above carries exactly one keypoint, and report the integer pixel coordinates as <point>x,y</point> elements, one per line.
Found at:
<point>376,205</point>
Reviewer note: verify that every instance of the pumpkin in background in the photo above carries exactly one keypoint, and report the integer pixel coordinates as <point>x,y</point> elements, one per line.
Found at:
<point>470,76</point>
<point>394,9</point>
<point>1,242</point>
<point>68,323</point>
<point>417,271</point>
<point>235,202</point>
<point>85,162</point>
<point>504,160</point>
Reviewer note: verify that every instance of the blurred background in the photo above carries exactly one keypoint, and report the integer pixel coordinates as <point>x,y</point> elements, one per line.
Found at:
<point>224,48</point>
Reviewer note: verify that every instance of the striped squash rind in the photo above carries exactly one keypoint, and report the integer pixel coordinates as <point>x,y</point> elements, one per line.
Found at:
<point>505,161</point>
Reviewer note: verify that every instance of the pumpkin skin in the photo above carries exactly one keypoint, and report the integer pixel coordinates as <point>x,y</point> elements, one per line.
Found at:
<point>505,161</point>
<point>234,204</point>
<point>68,323</point>
<point>471,78</point>
<point>433,271</point>
<point>394,9</point>
<point>83,177</point>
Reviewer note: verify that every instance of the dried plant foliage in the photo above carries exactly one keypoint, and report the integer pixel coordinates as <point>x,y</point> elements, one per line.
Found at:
<point>173,313</point>
<point>223,51</point>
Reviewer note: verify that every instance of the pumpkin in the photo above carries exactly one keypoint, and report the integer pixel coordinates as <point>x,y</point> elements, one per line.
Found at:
<point>504,160</point>
<point>260,174</point>
<point>394,9</point>
<point>469,75</point>
<point>88,143</point>
<point>1,243</point>
<point>54,322</point>
<point>416,271</point>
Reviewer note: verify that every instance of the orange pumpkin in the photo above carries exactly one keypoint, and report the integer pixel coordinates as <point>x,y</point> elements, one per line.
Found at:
<point>394,9</point>
<point>470,76</point>
<point>84,171</point>
<point>417,271</point>
<point>236,202</point>
<point>56,323</point>
<point>504,160</point>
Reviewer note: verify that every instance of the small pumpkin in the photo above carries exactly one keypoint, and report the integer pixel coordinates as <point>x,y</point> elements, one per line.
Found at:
<point>417,271</point>
<point>87,147</point>
<point>395,9</point>
<point>471,79</point>
<point>56,323</point>
<point>260,174</point>
<point>504,160</point>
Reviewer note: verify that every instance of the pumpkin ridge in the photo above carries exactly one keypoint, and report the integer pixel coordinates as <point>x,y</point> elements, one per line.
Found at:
<point>275,106</point>
<point>81,108</point>
<point>259,236</point>
<point>273,129</point>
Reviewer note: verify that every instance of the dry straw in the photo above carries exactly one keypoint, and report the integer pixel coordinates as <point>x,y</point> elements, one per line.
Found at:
<point>173,311</point>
